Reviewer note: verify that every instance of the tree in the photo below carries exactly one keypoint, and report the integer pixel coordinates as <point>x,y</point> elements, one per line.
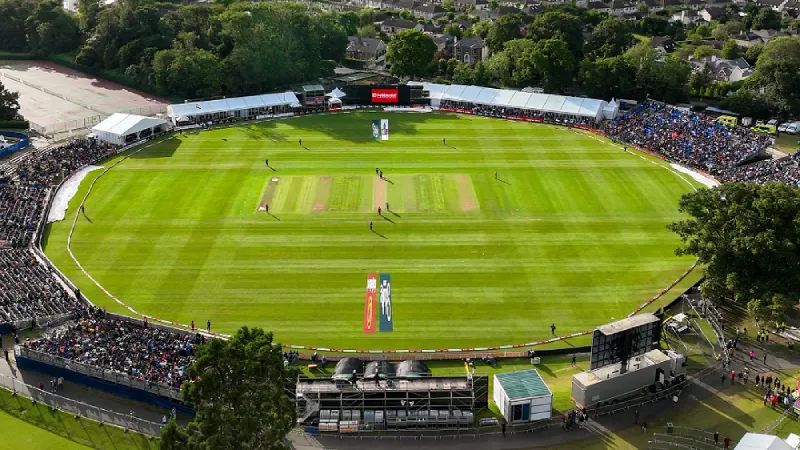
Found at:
<point>777,73</point>
<point>730,50</point>
<point>700,80</point>
<point>349,22</point>
<point>661,78</point>
<point>9,104</point>
<point>747,237</point>
<point>608,77</point>
<point>238,394</point>
<point>610,38</point>
<point>410,53</point>
<point>453,30</point>
<point>504,29</point>
<point>12,24</point>
<point>752,53</point>
<point>560,26</point>
<point>749,103</point>
<point>367,31</point>
<point>554,63</point>
<point>188,72</point>
<point>50,30</point>
<point>704,51</point>
<point>767,19</point>
<point>514,65</point>
<point>87,14</point>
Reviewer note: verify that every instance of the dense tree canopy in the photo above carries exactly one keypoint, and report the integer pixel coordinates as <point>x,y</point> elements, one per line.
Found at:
<point>9,104</point>
<point>504,29</point>
<point>748,238</point>
<point>51,30</point>
<point>12,25</point>
<point>608,78</point>
<point>777,73</point>
<point>610,38</point>
<point>410,53</point>
<point>238,394</point>
<point>560,26</point>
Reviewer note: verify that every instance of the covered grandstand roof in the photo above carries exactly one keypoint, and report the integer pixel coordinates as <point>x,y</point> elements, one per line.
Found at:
<point>379,369</point>
<point>232,104</point>
<point>124,124</point>
<point>346,367</point>
<point>559,104</point>
<point>412,369</point>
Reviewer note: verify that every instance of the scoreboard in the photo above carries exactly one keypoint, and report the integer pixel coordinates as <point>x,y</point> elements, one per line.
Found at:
<point>621,340</point>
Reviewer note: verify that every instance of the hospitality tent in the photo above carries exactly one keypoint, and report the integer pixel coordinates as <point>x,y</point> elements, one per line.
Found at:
<point>756,441</point>
<point>236,107</point>
<point>121,129</point>
<point>509,98</point>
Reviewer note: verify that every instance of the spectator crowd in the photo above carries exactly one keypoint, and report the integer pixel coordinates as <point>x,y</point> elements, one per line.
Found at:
<point>141,351</point>
<point>698,141</point>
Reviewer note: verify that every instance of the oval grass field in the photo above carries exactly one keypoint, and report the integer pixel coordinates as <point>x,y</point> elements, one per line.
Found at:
<point>491,236</point>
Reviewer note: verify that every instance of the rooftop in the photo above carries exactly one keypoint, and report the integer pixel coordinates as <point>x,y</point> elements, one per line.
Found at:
<point>627,323</point>
<point>522,384</point>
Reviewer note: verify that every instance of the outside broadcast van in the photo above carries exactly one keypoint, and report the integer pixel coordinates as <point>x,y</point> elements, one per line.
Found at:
<point>728,121</point>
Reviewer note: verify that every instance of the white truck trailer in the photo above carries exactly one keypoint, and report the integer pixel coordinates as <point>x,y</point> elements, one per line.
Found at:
<point>654,370</point>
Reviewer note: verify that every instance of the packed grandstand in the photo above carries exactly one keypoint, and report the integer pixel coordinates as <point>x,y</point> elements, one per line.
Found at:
<point>33,294</point>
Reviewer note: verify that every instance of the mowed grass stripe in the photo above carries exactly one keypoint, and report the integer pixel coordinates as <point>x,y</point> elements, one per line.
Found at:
<point>572,231</point>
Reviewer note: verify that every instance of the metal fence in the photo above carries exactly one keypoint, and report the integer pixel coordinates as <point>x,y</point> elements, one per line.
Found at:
<point>81,409</point>
<point>111,376</point>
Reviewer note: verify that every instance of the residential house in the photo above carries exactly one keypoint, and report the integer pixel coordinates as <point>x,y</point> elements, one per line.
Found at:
<point>471,50</point>
<point>365,49</point>
<point>620,8</point>
<point>653,5</point>
<point>725,70</point>
<point>430,29</point>
<point>477,5</point>
<point>686,17</point>
<point>767,35</point>
<point>747,39</point>
<point>713,13</point>
<point>428,11</point>
<point>599,6</point>
<point>663,44</point>
<point>395,25</point>
<point>444,45</point>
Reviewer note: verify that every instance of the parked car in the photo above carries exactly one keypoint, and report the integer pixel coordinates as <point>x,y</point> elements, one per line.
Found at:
<point>790,128</point>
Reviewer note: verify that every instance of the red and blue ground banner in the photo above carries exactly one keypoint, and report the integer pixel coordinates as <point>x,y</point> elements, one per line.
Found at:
<point>369,303</point>
<point>385,311</point>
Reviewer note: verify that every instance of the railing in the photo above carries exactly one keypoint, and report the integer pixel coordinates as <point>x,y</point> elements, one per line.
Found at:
<point>111,376</point>
<point>82,409</point>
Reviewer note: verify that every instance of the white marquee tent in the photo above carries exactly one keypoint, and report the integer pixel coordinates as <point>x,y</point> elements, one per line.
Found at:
<point>121,129</point>
<point>507,98</point>
<point>241,107</point>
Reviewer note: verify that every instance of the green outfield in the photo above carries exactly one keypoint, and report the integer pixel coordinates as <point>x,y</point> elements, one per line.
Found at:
<point>570,230</point>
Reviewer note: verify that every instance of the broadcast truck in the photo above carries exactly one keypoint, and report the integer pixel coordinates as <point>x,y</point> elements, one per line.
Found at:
<point>647,373</point>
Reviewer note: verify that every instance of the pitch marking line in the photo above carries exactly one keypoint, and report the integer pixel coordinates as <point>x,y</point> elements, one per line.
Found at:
<point>89,276</point>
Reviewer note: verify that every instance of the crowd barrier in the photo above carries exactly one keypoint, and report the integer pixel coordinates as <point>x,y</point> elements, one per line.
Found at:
<point>77,408</point>
<point>24,141</point>
<point>110,381</point>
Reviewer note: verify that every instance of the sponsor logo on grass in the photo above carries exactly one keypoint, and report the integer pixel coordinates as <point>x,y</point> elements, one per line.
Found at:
<point>369,303</point>
<point>384,129</point>
<point>385,310</point>
<point>376,129</point>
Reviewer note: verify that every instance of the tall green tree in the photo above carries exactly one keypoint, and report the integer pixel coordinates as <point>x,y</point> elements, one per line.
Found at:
<point>767,19</point>
<point>410,53</point>
<point>87,14</point>
<point>514,65</point>
<point>777,73</point>
<point>561,26</point>
<point>730,50</point>
<point>238,394</point>
<point>12,24</point>
<point>747,237</point>
<point>50,30</point>
<point>504,29</point>
<point>610,38</point>
<point>555,64</point>
<point>608,78</point>
<point>9,104</point>
<point>662,78</point>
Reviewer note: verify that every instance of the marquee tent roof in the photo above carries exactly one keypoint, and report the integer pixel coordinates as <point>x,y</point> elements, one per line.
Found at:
<point>232,104</point>
<point>559,104</point>
<point>120,124</point>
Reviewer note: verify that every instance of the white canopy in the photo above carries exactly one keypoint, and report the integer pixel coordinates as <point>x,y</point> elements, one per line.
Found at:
<point>336,93</point>
<point>756,441</point>
<point>118,126</point>
<point>231,105</point>
<point>558,104</point>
